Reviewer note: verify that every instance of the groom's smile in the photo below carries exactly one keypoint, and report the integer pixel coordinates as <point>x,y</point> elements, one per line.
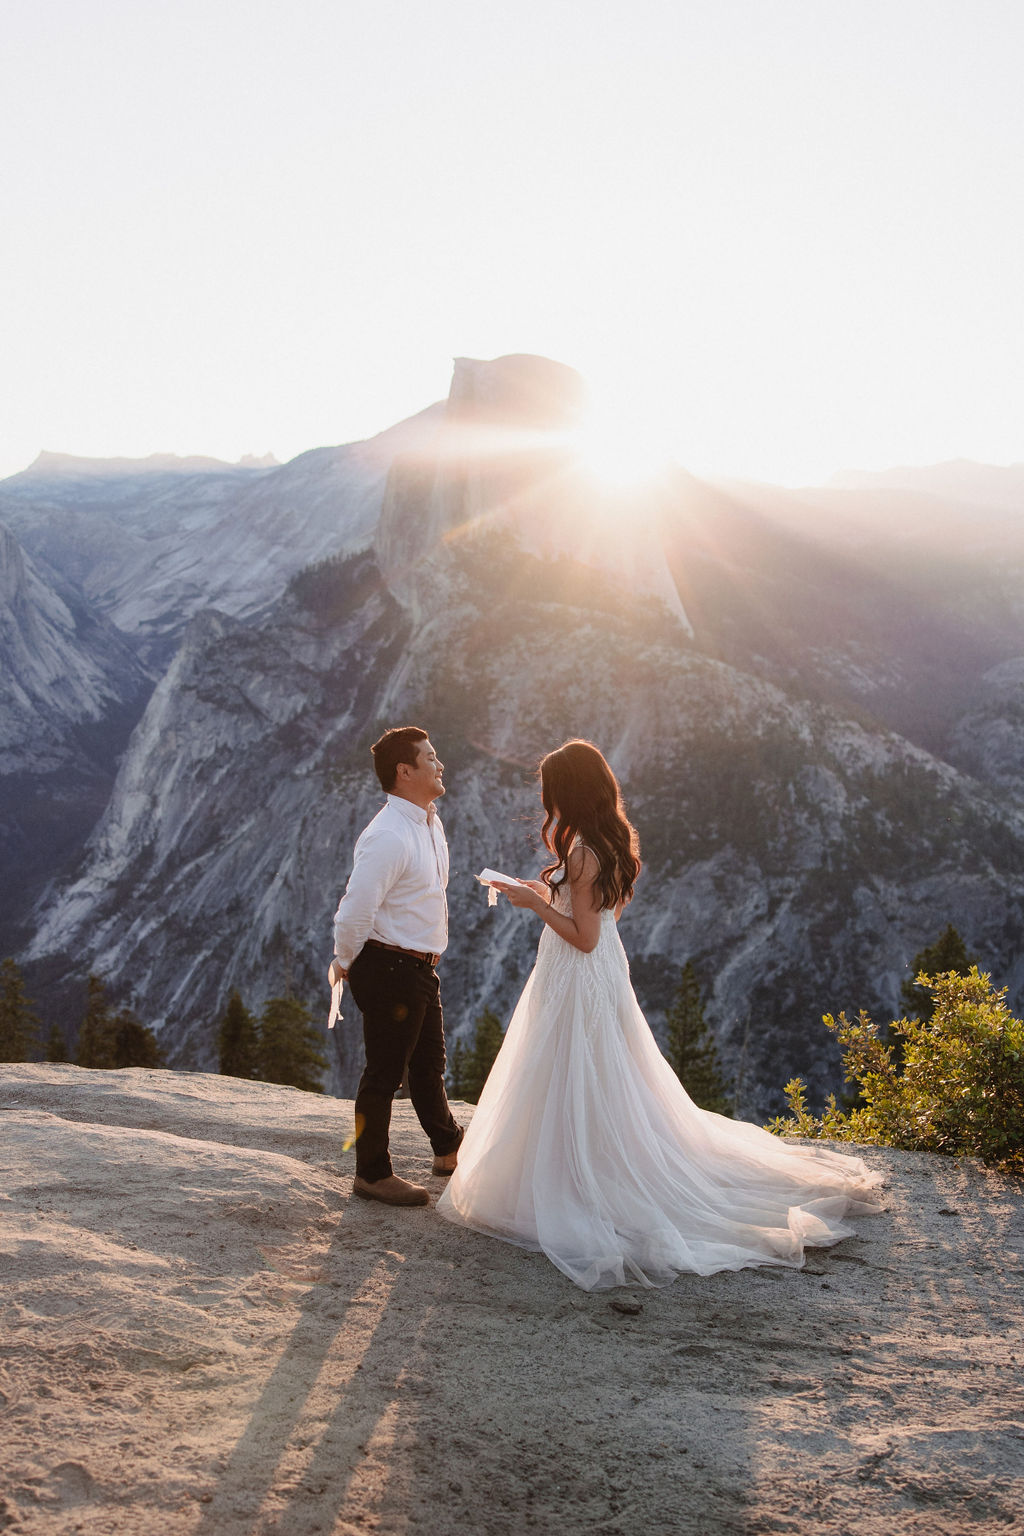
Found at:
<point>426,778</point>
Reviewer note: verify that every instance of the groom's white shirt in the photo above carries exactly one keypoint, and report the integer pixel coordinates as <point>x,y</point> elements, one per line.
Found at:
<point>396,892</point>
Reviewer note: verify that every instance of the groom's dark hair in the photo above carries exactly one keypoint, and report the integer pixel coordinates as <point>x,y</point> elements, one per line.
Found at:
<point>400,745</point>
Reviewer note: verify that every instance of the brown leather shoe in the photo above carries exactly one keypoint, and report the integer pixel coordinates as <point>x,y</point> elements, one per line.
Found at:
<point>390,1191</point>
<point>443,1167</point>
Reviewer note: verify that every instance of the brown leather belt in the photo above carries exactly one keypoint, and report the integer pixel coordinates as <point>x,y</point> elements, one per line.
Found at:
<point>417,954</point>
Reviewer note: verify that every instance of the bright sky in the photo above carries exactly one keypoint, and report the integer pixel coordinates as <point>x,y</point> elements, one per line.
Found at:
<point>783,236</point>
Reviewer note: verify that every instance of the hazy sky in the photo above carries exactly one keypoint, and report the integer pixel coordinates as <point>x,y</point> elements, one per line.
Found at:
<point>784,236</point>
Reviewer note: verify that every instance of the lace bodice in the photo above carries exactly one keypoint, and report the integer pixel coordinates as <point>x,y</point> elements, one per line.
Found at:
<point>599,973</point>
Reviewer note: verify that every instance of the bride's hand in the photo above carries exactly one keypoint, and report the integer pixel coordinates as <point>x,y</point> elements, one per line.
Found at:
<point>526,894</point>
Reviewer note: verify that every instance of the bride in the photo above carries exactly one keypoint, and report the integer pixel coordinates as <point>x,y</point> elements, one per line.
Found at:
<point>585,1145</point>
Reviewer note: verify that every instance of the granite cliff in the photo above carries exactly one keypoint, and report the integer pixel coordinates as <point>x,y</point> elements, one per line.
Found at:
<point>811,729</point>
<point>71,688</point>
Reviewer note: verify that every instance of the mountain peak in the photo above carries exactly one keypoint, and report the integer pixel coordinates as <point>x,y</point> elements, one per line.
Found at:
<point>517,390</point>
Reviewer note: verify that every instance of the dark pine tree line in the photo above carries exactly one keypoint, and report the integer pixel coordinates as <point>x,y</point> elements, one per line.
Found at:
<point>690,1049</point>
<point>281,1046</point>
<point>109,1040</point>
<point>469,1065</point>
<point>108,1037</point>
<point>19,1022</point>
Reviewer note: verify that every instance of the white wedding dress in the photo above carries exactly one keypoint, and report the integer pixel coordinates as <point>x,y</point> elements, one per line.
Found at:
<point>586,1147</point>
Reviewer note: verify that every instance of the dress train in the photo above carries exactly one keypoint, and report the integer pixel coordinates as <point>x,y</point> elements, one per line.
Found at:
<point>586,1147</point>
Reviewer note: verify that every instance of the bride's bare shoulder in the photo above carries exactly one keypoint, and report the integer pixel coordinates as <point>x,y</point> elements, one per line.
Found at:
<point>583,863</point>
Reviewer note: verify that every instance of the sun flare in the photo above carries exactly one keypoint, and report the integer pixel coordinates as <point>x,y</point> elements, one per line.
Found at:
<point>618,452</point>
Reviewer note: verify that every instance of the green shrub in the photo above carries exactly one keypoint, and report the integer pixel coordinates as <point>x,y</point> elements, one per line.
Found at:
<point>958,1089</point>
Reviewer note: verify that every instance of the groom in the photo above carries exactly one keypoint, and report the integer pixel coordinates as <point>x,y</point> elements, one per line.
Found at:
<point>390,930</point>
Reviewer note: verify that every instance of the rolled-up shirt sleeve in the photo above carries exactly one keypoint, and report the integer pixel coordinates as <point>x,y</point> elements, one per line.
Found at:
<point>378,862</point>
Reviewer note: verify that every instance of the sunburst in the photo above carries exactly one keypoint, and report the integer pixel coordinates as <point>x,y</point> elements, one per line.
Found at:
<point>619,452</point>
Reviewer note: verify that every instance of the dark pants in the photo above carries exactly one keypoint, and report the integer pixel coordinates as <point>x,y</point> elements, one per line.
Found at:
<point>399,998</point>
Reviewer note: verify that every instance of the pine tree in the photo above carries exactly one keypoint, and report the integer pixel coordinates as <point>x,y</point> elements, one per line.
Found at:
<point>289,1046</point>
<point>457,1071</point>
<point>690,1050</point>
<point>19,1023</point>
<point>134,1043</point>
<point>948,953</point>
<point>56,1045</point>
<point>238,1041</point>
<point>96,1046</point>
<point>479,1060</point>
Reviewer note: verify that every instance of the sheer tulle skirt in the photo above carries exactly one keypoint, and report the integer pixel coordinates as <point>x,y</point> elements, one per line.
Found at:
<point>585,1146</point>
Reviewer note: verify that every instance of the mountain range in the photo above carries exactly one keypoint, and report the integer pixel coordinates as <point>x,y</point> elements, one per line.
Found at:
<point>814,700</point>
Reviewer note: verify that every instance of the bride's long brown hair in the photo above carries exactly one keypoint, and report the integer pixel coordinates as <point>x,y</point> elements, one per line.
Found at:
<point>582,799</point>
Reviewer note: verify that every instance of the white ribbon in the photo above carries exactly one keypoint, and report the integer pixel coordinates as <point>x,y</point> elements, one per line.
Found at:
<point>335,1013</point>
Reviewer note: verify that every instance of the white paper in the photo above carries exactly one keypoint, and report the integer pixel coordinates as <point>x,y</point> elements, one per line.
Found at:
<point>487,876</point>
<point>335,1013</point>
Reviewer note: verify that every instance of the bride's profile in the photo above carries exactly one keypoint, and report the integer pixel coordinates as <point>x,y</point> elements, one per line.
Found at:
<point>585,1146</point>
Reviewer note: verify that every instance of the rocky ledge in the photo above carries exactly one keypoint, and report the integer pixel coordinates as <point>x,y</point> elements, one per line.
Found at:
<point>205,1334</point>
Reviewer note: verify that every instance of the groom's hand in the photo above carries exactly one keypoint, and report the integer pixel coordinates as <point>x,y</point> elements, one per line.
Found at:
<point>336,974</point>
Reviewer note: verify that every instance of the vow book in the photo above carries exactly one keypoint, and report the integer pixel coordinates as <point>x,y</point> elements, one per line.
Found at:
<point>488,876</point>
